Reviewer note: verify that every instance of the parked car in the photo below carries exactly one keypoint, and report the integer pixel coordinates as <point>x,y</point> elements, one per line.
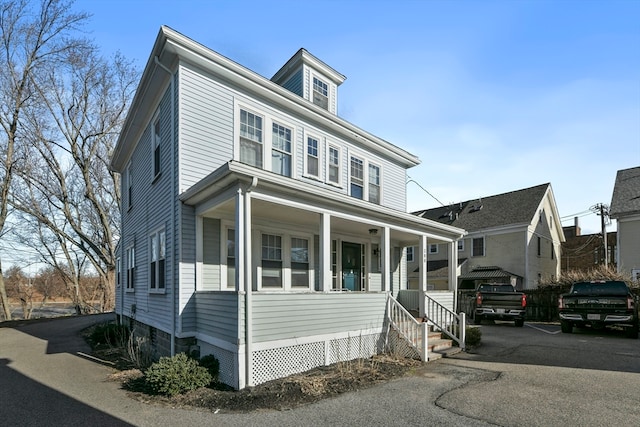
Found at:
<point>598,304</point>
<point>497,301</point>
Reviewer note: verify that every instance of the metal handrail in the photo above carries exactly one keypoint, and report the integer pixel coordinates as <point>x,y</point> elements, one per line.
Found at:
<point>447,321</point>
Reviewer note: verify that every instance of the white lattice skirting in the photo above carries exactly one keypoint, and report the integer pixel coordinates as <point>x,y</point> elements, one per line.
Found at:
<point>281,361</point>
<point>228,362</point>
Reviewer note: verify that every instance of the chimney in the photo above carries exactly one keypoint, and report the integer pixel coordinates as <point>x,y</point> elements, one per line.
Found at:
<point>576,225</point>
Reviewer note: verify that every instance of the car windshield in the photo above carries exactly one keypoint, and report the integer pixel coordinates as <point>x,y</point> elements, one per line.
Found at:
<point>609,288</point>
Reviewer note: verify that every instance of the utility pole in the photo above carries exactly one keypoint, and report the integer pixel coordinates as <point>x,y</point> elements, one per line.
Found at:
<point>603,210</point>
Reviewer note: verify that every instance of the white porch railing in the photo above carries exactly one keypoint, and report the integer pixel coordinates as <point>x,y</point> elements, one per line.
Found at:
<point>414,332</point>
<point>446,320</point>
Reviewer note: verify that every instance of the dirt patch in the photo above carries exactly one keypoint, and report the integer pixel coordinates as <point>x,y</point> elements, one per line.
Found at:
<point>281,394</point>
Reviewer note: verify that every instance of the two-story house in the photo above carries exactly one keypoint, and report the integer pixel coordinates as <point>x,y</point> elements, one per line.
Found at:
<point>625,208</point>
<point>513,237</point>
<point>258,225</point>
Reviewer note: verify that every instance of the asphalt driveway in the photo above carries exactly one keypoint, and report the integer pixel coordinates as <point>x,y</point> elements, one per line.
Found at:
<point>45,381</point>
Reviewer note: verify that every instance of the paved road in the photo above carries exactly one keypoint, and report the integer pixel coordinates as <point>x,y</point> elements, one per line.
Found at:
<point>511,381</point>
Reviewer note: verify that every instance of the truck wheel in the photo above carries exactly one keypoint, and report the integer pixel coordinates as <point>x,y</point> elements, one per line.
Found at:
<point>632,332</point>
<point>477,319</point>
<point>519,323</point>
<point>566,327</point>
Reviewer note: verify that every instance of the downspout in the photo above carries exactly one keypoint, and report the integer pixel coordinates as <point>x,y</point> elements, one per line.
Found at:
<point>174,297</point>
<point>248,286</point>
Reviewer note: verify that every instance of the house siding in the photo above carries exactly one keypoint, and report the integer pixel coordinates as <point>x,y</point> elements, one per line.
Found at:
<point>219,314</point>
<point>206,132</point>
<point>211,257</point>
<point>287,315</point>
<point>294,83</point>
<point>629,244</point>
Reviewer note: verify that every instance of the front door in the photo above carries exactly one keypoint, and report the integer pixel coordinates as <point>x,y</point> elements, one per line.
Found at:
<point>352,266</point>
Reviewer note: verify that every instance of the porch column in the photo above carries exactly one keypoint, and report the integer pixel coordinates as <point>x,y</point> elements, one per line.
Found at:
<point>453,272</point>
<point>239,232</point>
<point>422,256</point>
<point>325,252</point>
<point>248,287</point>
<point>385,248</point>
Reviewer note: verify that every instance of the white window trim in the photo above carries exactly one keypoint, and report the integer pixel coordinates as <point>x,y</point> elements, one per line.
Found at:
<point>118,271</point>
<point>151,286</point>
<point>285,237</point>
<point>484,246</point>
<point>413,254</point>
<point>365,178</point>
<point>236,129</point>
<point>437,248</point>
<point>129,286</point>
<point>268,144</point>
<point>129,187</point>
<point>225,226</point>
<point>329,90</point>
<point>460,245</point>
<point>321,144</point>
<point>337,147</point>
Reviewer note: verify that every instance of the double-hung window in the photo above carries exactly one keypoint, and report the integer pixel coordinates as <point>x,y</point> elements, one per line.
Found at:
<point>357,178</point>
<point>410,253</point>
<point>374,184</point>
<point>131,267</point>
<point>334,165</point>
<point>313,159</point>
<point>320,93</point>
<point>271,261</point>
<point>281,150</point>
<point>299,263</point>
<point>157,265</point>
<point>118,272</point>
<point>477,248</point>
<point>156,146</point>
<point>251,139</point>
<point>433,249</point>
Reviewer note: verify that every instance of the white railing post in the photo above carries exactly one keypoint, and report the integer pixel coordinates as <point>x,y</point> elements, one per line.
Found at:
<point>424,349</point>
<point>463,330</point>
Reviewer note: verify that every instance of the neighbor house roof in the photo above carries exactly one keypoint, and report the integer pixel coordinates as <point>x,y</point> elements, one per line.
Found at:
<point>487,273</point>
<point>515,207</point>
<point>626,193</point>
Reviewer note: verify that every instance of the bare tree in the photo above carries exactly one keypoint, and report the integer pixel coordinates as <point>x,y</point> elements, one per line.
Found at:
<point>32,39</point>
<point>67,186</point>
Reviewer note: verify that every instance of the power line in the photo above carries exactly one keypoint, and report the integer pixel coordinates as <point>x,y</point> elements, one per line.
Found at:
<point>424,189</point>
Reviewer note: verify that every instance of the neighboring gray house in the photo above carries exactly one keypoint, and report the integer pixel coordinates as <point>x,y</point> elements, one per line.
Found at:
<point>513,237</point>
<point>625,208</point>
<point>257,225</point>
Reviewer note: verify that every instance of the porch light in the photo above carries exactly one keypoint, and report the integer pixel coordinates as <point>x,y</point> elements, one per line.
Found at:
<point>373,231</point>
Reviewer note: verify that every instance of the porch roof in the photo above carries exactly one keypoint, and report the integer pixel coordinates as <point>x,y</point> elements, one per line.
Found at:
<point>234,174</point>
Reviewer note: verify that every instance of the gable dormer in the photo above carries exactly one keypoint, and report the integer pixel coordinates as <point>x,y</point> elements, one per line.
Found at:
<point>308,77</point>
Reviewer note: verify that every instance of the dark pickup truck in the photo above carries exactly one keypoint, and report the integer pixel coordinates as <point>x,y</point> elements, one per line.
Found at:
<point>497,301</point>
<point>598,304</point>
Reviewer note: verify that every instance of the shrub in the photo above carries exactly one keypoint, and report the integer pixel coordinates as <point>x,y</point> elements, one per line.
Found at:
<point>212,365</point>
<point>110,334</point>
<point>472,337</point>
<point>175,375</point>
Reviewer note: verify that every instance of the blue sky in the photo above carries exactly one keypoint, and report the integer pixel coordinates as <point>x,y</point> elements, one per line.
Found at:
<point>493,96</point>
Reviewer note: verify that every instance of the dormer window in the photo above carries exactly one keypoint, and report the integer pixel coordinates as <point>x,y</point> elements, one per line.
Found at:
<point>320,93</point>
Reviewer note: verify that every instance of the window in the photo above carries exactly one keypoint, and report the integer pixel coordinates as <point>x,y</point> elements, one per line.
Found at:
<point>271,261</point>
<point>157,266</point>
<point>320,93</point>
<point>553,252</point>
<point>231,258</point>
<point>118,272</point>
<point>131,267</point>
<point>312,157</point>
<point>334,165</point>
<point>539,246</point>
<point>281,150</point>
<point>334,264</point>
<point>433,249</point>
<point>250,138</point>
<point>299,263</point>
<point>129,186</point>
<point>461,245</point>
<point>477,248</point>
<point>357,180</point>
<point>410,253</point>
<point>374,184</point>
<point>156,146</point>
